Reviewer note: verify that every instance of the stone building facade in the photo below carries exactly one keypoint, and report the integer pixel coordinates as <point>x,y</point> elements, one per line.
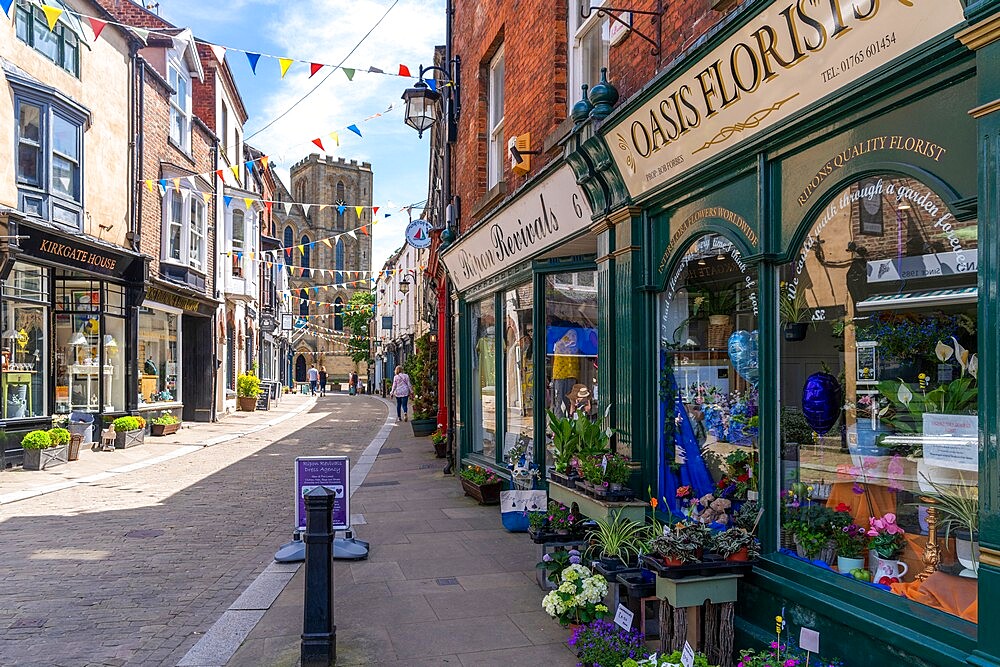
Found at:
<point>331,189</point>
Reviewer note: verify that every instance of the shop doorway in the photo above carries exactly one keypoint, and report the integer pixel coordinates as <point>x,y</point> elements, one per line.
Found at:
<point>300,368</point>
<point>197,368</point>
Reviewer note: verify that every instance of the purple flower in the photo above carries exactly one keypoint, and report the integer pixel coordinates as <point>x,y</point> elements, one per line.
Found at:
<point>575,560</point>
<point>574,552</point>
<point>547,558</point>
<point>858,489</point>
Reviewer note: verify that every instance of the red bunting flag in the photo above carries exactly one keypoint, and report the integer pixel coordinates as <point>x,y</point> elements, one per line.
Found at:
<point>218,172</point>
<point>313,68</point>
<point>404,71</point>
<point>374,210</point>
<point>97,26</point>
<point>319,143</point>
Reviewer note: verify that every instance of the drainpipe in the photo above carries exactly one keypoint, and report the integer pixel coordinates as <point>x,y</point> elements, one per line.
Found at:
<point>215,277</point>
<point>139,92</point>
<point>446,331</point>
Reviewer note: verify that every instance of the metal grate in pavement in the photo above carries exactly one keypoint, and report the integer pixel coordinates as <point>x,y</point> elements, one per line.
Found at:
<point>389,483</point>
<point>390,450</point>
<point>447,581</point>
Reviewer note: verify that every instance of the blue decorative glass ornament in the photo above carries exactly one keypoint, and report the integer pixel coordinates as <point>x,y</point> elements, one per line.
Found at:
<point>822,400</point>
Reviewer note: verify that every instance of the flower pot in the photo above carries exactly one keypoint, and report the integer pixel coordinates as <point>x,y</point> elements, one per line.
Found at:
<point>125,439</point>
<point>740,556</point>
<point>672,562</point>
<point>423,427</point>
<point>163,429</point>
<point>966,551</point>
<point>43,459</point>
<point>826,554</point>
<point>247,403</point>
<point>73,451</point>
<point>486,494</point>
<point>794,332</point>
<point>845,564</point>
<point>441,449</point>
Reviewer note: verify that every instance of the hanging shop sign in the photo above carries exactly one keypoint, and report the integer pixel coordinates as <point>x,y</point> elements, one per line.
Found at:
<point>418,234</point>
<point>762,75</point>
<point>72,252</point>
<point>544,216</point>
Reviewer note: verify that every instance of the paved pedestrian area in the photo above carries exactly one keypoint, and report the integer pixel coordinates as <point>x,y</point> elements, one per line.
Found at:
<point>132,567</point>
<point>444,585</point>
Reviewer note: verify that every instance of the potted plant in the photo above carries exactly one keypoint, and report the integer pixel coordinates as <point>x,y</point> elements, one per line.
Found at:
<point>165,424</point>
<point>793,313</point>
<point>669,660</point>
<point>736,544</point>
<point>813,530</point>
<point>617,474</point>
<point>592,474</point>
<point>887,541</point>
<point>554,563</point>
<point>247,391</point>
<point>481,484</point>
<point>578,598</point>
<point>684,544</point>
<point>614,540</point>
<point>420,366</point>
<point>719,305</point>
<point>129,431</point>
<point>851,541</point>
<point>40,452</point>
<point>602,642</point>
<point>564,447</point>
<point>592,438</point>
<point>60,436</point>
<point>440,442</point>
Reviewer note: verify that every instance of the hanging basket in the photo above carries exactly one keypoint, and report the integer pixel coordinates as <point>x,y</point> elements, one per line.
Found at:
<point>720,328</point>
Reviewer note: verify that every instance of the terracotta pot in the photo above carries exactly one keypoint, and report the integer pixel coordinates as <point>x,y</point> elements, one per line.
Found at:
<point>740,556</point>
<point>247,403</point>
<point>672,562</point>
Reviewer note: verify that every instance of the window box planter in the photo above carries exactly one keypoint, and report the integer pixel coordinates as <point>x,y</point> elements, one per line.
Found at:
<point>42,459</point>
<point>126,439</point>
<point>164,429</point>
<point>593,508</point>
<point>487,494</point>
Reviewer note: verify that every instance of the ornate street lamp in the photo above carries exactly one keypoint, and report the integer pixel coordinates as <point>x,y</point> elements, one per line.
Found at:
<point>404,285</point>
<point>421,100</point>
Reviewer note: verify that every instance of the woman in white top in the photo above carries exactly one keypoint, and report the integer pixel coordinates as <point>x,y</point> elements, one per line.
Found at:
<point>401,389</point>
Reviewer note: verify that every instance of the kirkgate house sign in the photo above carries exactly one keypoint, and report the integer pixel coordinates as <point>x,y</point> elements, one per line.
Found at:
<point>547,214</point>
<point>794,53</point>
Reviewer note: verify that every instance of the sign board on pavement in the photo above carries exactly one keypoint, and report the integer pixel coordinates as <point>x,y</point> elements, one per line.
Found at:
<point>332,472</point>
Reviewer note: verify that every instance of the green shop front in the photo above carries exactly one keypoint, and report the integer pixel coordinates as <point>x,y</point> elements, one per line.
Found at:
<point>788,225</point>
<point>527,318</point>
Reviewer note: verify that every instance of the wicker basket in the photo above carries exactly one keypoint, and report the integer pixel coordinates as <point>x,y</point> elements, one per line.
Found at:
<point>827,554</point>
<point>720,328</point>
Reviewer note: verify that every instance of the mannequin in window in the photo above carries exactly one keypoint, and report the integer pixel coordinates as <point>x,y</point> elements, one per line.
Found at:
<point>565,370</point>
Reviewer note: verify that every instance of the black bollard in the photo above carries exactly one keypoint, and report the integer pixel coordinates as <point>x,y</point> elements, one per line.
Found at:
<point>319,634</point>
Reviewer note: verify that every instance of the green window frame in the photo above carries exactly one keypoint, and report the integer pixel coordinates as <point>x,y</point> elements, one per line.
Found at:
<point>60,45</point>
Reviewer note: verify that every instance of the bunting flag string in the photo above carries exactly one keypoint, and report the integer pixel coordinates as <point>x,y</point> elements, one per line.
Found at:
<point>53,13</point>
<point>265,160</point>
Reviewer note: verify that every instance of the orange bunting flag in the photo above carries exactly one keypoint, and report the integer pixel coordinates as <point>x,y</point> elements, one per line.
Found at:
<point>218,172</point>
<point>320,144</point>
<point>97,25</point>
<point>404,71</point>
<point>285,64</point>
<point>363,230</point>
<point>313,68</point>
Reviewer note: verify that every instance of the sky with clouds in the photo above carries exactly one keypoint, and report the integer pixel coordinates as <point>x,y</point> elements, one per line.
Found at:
<point>325,31</point>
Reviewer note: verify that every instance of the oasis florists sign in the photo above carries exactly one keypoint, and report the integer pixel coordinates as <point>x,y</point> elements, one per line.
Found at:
<point>794,53</point>
<point>541,218</point>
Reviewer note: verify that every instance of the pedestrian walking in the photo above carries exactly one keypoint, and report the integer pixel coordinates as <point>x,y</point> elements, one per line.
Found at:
<point>322,380</point>
<point>354,384</point>
<point>313,379</point>
<point>401,389</point>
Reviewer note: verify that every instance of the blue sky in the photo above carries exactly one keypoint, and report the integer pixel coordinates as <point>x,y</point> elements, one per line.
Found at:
<point>324,31</point>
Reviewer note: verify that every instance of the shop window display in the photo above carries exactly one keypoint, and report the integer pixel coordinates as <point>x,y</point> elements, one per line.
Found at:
<point>518,355</point>
<point>158,362</point>
<point>879,383</point>
<point>708,370</point>
<point>483,406</point>
<point>24,353</point>
<point>570,345</point>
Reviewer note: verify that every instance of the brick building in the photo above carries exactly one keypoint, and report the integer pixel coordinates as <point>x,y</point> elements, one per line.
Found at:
<point>334,183</point>
<point>761,198</point>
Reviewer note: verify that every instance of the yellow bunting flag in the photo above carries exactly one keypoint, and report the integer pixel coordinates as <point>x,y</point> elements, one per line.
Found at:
<point>236,172</point>
<point>285,64</point>
<point>302,250</point>
<point>335,137</point>
<point>327,242</point>
<point>149,185</point>
<point>52,15</point>
<point>248,202</point>
<point>358,209</point>
<point>263,162</point>
<point>207,196</point>
<point>177,185</point>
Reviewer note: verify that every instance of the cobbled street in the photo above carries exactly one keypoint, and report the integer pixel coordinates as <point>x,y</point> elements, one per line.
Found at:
<point>134,569</point>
